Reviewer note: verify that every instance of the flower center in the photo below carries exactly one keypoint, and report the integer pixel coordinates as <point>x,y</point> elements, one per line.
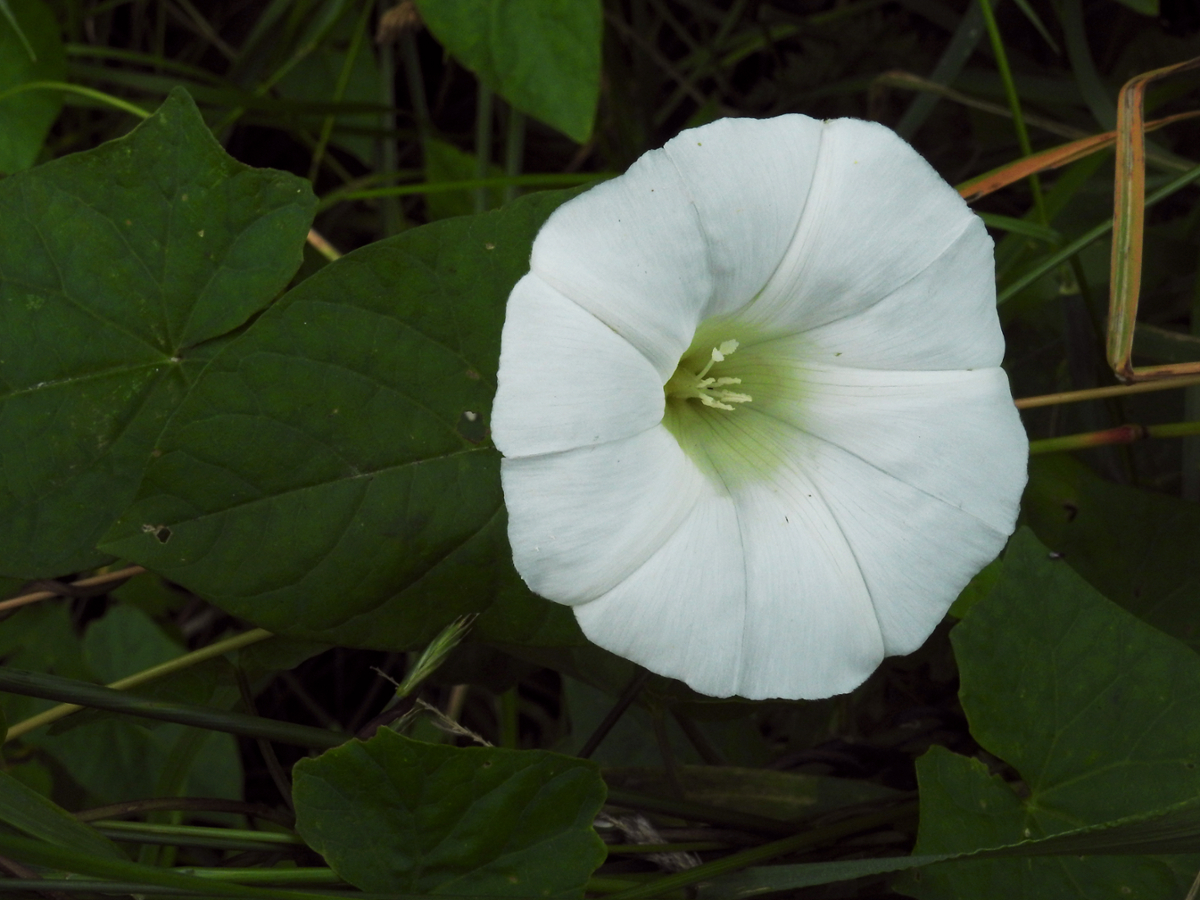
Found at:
<point>710,390</point>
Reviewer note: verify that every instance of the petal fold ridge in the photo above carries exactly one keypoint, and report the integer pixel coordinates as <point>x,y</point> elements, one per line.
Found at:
<point>567,380</point>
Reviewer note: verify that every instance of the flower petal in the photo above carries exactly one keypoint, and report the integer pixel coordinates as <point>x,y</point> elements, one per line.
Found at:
<point>758,593</point>
<point>916,553</point>
<point>630,252</point>
<point>953,435</point>
<point>580,522</point>
<point>748,221</point>
<point>877,216</point>
<point>566,380</point>
<point>680,613</point>
<point>811,628</point>
<point>944,318</point>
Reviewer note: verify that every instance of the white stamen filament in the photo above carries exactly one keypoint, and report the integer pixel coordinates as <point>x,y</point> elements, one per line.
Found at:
<point>709,391</point>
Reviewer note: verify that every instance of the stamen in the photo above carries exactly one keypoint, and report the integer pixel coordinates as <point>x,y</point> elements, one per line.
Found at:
<point>709,391</point>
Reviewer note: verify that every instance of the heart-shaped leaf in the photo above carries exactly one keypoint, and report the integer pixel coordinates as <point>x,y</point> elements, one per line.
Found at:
<point>394,814</point>
<point>330,475</point>
<point>542,56</point>
<point>1097,713</point>
<point>116,267</point>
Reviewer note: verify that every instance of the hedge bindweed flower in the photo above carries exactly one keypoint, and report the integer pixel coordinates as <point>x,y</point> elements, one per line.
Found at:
<point>753,422</point>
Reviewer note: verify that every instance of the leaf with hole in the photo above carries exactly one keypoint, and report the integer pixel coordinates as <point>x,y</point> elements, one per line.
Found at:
<point>329,477</point>
<point>1135,546</point>
<point>117,265</point>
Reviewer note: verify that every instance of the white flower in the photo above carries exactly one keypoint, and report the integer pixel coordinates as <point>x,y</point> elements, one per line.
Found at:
<point>754,425</point>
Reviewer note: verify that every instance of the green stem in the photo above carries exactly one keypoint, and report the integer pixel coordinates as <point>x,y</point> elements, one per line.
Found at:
<point>185,804</point>
<point>1175,429</point>
<point>810,838</point>
<point>1091,235</point>
<point>1014,103</point>
<point>483,144</point>
<point>46,887</point>
<point>190,834</point>
<point>309,875</point>
<point>52,687</point>
<point>416,83</point>
<point>1103,393</point>
<point>88,92</point>
<point>602,885</point>
<point>278,775</point>
<point>220,648</point>
<point>339,91</point>
<point>1122,434</point>
<point>514,152</point>
<point>389,156</point>
<point>548,180</point>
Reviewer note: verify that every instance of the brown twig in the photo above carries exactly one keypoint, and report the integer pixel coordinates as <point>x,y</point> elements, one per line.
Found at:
<point>70,589</point>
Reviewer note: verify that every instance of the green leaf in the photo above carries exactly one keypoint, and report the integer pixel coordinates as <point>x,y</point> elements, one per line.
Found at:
<point>542,56</point>
<point>28,811</point>
<point>977,588</point>
<point>116,266</point>
<point>41,637</point>
<point>30,50</point>
<point>445,162</point>
<point>135,753</point>
<point>393,814</point>
<point>1136,547</point>
<point>347,431</point>
<point>1096,712</point>
<point>124,641</point>
<point>521,617</point>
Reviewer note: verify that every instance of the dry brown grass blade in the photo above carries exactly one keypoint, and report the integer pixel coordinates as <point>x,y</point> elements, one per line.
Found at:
<point>1055,157</point>
<point>1129,211</point>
